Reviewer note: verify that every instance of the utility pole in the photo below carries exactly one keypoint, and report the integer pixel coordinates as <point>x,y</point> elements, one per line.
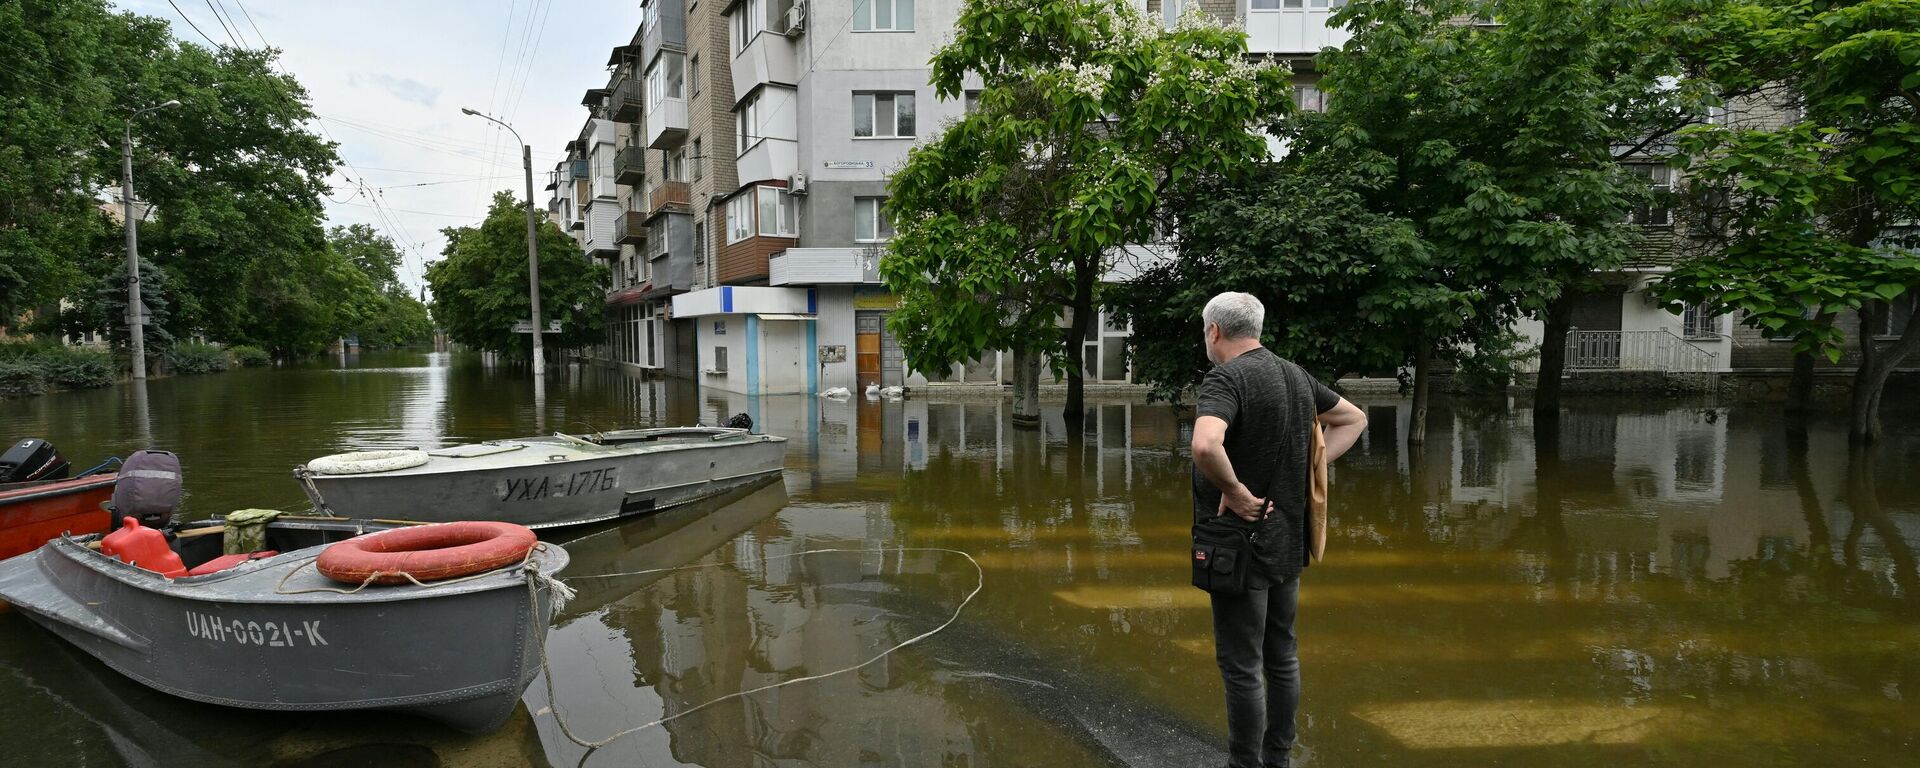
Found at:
<point>136,319</point>
<point>533,252</point>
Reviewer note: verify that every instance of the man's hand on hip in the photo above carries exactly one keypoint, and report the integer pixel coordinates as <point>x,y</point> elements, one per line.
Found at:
<point>1244,504</point>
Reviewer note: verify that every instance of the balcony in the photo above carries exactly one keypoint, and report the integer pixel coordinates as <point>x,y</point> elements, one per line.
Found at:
<point>630,228</point>
<point>629,166</point>
<point>665,26</point>
<point>625,102</point>
<point>674,193</point>
<point>667,124</point>
<point>769,160</point>
<point>857,265</point>
<point>1293,30</point>
<point>769,59</point>
<point>669,251</point>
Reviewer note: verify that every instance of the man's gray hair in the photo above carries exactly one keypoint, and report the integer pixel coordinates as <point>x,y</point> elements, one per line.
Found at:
<point>1239,315</point>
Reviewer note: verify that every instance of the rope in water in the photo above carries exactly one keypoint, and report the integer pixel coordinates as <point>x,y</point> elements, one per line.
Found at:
<point>546,673</point>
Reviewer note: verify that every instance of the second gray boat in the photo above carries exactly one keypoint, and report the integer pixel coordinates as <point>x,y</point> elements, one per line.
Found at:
<point>543,482</point>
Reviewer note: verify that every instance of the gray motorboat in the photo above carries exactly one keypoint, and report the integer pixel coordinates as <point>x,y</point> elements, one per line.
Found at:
<point>543,482</point>
<point>273,633</point>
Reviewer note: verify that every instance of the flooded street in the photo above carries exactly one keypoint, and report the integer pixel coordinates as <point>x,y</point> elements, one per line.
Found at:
<point>1667,583</point>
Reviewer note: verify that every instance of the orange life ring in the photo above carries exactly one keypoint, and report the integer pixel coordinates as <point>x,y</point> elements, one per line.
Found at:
<point>426,552</point>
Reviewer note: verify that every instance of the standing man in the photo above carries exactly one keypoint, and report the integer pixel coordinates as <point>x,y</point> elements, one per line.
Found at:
<point>1251,458</point>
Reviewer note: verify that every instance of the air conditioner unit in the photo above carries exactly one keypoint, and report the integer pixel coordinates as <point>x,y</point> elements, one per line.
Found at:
<point>797,19</point>
<point>797,184</point>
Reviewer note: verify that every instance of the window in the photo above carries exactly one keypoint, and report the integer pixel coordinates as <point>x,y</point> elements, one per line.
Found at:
<point>1170,11</point>
<point>870,223</point>
<point>674,166</point>
<point>883,16</point>
<point>972,103</point>
<point>1654,212</point>
<point>749,19</point>
<point>883,115</point>
<point>777,215</point>
<point>1891,318</point>
<point>693,73</point>
<point>739,218</point>
<point>699,159</point>
<point>748,114</point>
<point>668,80</point>
<point>1309,98</point>
<point>1697,323</point>
<point>719,359</point>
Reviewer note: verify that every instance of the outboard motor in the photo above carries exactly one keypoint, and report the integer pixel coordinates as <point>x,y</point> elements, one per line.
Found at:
<point>148,489</point>
<point>740,421</point>
<point>32,459</point>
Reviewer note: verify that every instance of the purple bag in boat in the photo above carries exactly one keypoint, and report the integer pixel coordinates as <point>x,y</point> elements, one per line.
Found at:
<point>148,488</point>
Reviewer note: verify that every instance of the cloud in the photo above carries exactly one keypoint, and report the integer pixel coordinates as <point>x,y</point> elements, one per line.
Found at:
<point>402,88</point>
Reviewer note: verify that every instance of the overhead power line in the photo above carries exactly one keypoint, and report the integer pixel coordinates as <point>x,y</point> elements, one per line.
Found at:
<point>196,27</point>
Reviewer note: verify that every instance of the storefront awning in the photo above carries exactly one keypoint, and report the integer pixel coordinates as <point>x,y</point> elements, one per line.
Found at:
<point>765,316</point>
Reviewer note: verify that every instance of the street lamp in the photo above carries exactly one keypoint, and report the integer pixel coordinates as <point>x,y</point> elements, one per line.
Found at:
<point>135,318</point>
<point>533,254</point>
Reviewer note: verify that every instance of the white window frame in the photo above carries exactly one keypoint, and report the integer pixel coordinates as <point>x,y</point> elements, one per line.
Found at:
<point>1309,98</point>
<point>740,217</point>
<point>749,19</point>
<point>867,15</point>
<point>673,166</point>
<point>747,122</point>
<point>873,101</point>
<point>1659,178</point>
<point>660,83</point>
<point>786,213</point>
<point>879,229</point>
<point>1695,323</point>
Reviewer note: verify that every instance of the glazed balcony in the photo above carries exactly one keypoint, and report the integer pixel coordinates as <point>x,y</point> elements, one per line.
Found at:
<point>667,124</point>
<point>664,27</point>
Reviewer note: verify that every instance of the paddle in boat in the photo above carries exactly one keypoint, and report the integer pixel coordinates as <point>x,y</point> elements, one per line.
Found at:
<point>544,482</point>
<point>277,612</point>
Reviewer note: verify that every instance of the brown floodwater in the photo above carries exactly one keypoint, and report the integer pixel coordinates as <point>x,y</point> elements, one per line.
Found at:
<point>1644,583</point>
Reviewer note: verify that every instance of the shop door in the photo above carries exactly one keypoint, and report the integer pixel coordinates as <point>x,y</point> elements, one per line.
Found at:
<point>866,345</point>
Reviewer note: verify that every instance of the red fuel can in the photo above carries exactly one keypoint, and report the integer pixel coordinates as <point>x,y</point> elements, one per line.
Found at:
<point>143,547</point>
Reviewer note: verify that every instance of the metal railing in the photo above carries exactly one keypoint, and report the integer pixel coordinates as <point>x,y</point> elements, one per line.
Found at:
<point>1654,350</point>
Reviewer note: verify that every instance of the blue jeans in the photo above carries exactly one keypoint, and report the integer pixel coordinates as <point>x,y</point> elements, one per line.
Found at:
<point>1260,664</point>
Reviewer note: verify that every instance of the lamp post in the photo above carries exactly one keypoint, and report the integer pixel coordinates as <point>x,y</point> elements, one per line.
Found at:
<point>533,254</point>
<point>136,320</point>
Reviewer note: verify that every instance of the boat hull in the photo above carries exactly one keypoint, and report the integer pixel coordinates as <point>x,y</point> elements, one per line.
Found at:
<point>460,654</point>
<point>32,514</point>
<point>571,491</point>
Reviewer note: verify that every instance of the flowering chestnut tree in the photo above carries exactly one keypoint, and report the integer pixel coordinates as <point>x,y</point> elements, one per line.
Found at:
<point>1092,117</point>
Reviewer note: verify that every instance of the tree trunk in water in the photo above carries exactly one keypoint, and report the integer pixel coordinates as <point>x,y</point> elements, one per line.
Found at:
<point>1083,317</point>
<point>1422,373</point>
<point>1800,387</point>
<point>1026,389</point>
<point>1870,380</point>
<point>1553,358</point>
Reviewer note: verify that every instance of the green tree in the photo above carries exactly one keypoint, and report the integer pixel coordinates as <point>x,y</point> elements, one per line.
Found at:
<point>1498,141</point>
<point>233,176</point>
<point>388,316</point>
<point>480,288</point>
<point>1798,216</point>
<point>1344,285</point>
<point>1092,116</point>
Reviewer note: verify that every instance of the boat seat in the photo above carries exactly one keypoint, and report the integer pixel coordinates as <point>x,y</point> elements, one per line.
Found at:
<point>224,562</point>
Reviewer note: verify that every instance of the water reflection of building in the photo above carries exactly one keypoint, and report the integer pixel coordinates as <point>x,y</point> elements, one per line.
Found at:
<point>1689,493</point>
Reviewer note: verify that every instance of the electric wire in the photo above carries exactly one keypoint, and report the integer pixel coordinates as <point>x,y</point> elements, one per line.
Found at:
<point>223,25</point>
<point>196,27</point>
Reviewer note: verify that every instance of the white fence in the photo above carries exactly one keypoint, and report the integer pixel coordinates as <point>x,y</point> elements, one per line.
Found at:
<point>1655,350</point>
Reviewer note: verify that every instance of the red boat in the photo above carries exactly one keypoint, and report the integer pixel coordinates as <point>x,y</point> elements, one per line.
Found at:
<point>39,502</point>
<point>31,514</point>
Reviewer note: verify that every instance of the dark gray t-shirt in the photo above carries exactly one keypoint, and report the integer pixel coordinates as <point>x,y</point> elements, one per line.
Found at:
<point>1267,403</point>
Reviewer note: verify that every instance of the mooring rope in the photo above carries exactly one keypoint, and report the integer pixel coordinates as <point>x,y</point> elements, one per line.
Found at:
<point>546,672</point>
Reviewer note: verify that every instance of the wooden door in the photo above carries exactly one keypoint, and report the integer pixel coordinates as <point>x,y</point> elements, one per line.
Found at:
<point>866,347</point>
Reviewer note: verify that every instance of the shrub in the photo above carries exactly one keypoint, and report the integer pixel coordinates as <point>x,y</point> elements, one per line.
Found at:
<point>79,367</point>
<point>21,379</point>
<point>195,357</point>
<point>249,356</point>
<point>1494,366</point>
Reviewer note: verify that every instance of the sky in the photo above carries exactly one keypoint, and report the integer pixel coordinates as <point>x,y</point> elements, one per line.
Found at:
<point>388,80</point>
